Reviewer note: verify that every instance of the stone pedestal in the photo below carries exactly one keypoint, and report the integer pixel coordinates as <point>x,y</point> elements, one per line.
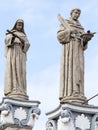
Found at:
<point>70,116</point>
<point>18,114</point>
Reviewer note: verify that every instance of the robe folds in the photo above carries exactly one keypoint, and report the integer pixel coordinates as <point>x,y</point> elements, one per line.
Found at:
<point>15,75</point>
<point>72,59</point>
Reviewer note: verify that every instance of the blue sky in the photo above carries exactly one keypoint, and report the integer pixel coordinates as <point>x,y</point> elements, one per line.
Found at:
<point>43,58</point>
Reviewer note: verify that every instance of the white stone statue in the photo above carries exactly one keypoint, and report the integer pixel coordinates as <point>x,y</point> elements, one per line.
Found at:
<point>16,47</point>
<point>74,41</point>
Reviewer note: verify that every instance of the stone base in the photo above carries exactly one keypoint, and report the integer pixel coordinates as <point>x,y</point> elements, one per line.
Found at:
<point>18,95</point>
<point>18,114</point>
<point>73,99</point>
<point>71,116</point>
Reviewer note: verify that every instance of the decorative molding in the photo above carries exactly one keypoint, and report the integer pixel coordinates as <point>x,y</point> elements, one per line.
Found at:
<point>16,115</point>
<point>20,113</point>
<point>51,125</point>
<point>72,116</point>
<point>82,122</point>
<point>66,120</point>
<point>94,125</point>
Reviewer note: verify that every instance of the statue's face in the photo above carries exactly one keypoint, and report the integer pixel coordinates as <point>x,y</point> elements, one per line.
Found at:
<point>75,14</point>
<point>19,26</point>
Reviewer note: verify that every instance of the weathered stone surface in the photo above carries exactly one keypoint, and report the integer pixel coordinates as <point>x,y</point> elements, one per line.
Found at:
<point>74,41</point>
<point>16,47</point>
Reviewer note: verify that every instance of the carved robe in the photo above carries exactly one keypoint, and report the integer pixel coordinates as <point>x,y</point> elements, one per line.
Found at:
<point>72,59</point>
<point>15,75</point>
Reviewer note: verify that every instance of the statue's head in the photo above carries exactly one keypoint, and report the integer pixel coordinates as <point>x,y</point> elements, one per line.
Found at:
<point>75,13</point>
<point>19,25</point>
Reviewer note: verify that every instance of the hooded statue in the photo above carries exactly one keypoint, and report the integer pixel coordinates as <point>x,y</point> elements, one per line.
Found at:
<point>16,47</point>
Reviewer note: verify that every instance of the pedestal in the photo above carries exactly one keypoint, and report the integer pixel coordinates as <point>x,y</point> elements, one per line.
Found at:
<point>70,116</point>
<point>18,114</point>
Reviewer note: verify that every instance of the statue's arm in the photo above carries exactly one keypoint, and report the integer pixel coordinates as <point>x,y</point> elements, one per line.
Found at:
<point>86,38</point>
<point>26,44</point>
<point>8,40</point>
<point>63,35</point>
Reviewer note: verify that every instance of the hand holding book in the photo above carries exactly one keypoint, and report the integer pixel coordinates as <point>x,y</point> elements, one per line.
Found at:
<point>87,36</point>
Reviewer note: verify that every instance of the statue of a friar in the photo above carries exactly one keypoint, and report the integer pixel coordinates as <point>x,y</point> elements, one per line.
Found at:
<point>74,42</point>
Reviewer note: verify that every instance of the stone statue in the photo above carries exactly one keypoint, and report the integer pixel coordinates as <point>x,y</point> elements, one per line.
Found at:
<point>16,47</point>
<point>74,42</point>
